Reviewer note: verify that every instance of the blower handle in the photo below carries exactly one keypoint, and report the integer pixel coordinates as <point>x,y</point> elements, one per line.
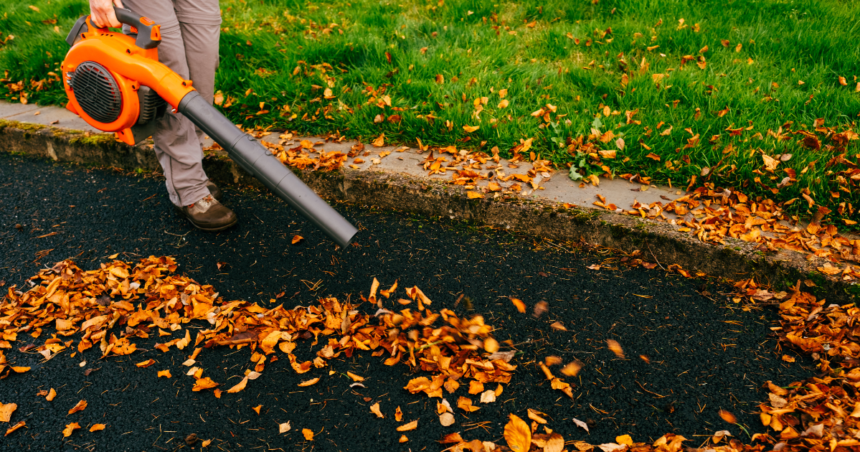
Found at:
<point>262,164</point>
<point>148,33</point>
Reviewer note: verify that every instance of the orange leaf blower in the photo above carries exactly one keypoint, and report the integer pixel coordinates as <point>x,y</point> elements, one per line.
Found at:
<point>116,84</point>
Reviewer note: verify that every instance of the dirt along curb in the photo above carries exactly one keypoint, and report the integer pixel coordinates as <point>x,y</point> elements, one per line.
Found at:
<point>373,186</point>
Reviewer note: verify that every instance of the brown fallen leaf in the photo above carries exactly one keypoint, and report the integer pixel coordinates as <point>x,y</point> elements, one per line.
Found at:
<point>97,427</point>
<point>616,348</point>
<point>284,428</point>
<point>79,407</point>
<point>517,434</point>
<point>407,427</point>
<point>519,304</point>
<point>67,432</point>
<point>308,434</point>
<point>375,410</point>
<point>305,383</point>
<point>15,427</point>
<point>6,411</point>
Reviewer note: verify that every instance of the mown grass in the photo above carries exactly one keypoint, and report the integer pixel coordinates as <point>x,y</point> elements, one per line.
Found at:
<point>279,56</point>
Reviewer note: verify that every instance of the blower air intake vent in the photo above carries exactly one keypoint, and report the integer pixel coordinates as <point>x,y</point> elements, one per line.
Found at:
<point>97,92</point>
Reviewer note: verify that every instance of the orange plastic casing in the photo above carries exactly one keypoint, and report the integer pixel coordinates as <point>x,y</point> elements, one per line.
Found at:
<point>131,66</point>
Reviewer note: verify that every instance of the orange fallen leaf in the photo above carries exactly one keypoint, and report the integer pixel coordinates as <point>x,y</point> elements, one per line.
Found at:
<point>519,304</point>
<point>572,369</point>
<point>407,427</point>
<point>204,383</point>
<point>379,141</point>
<point>296,239</point>
<point>474,195</point>
<point>241,385</point>
<point>6,411</point>
<point>205,444</point>
<point>627,440</point>
<point>308,434</point>
<point>476,387</point>
<point>465,404</point>
<point>403,439</point>
<point>79,407</point>
<point>97,427</point>
<point>15,427</point>
<point>354,376</point>
<point>518,434</point>
<point>470,129</point>
<point>257,409</point>
<point>310,382</point>
<point>616,348</point>
<point>536,416</point>
<point>728,417</point>
<point>51,395</point>
<point>67,432</point>
<point>375,410</point>
<point>398,415</point>
<point>164,373</point>
<point>145,364</point>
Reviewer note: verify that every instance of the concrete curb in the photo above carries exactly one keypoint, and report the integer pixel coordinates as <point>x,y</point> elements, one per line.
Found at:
<point>659,241</point>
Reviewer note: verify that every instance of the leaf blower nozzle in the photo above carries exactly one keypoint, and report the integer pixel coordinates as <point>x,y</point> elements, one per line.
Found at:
<point>116,84</point>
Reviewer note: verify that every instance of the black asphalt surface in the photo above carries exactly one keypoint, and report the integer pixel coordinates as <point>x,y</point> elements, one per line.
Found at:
<point>705,353</point>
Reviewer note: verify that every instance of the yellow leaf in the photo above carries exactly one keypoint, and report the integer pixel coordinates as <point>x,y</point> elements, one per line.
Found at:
<point>379,141</point>
<point>504,103</point>
<point>205,444</point>
<point>34,8</point>
<point>517,434</point>
<point>15,427</point>
<point>51,395</point>
<point>470,129</point>
<point>164,373</point>
<point>555,443</point>
<point>355,377</point>
<point>204,383</point>
<point>240,386</point>
<point>503,93</point>
<point>474,195</point>
<point>616,348</point>
<point>624,439</point>
<point>97,428</point>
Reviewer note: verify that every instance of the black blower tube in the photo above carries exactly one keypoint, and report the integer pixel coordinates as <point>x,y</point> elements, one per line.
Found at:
<point>260,162</point>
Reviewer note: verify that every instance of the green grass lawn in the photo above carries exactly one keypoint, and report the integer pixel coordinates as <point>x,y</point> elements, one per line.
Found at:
<point>714,89</point>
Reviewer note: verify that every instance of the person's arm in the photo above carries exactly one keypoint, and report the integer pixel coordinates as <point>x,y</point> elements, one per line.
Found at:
<point>103,14</point>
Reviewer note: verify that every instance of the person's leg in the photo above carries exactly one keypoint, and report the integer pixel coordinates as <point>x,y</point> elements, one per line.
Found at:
<point>200,22</point>
<point>176,143</point>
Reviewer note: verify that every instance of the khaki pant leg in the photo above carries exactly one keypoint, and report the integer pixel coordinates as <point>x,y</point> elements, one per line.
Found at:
<point>177,146</point>
<point>200,22</point>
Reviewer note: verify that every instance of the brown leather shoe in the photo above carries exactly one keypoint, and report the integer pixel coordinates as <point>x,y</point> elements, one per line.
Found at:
<point>209,215</point>
<point>214,190</point>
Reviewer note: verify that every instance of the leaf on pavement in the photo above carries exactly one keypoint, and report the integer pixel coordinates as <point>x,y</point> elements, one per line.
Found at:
<point>517,434</point>
<point>407,427</point>
<point>519,304</point>
<point>79,407</point>
<point>6,411</point>
<point>15,427</point>
<point>67,432</point>
<point>616,348</point>
<point>310,382</point>
<point>204,383</point>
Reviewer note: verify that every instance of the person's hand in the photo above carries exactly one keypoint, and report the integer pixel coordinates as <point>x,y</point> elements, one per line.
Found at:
<point>102,13</point>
